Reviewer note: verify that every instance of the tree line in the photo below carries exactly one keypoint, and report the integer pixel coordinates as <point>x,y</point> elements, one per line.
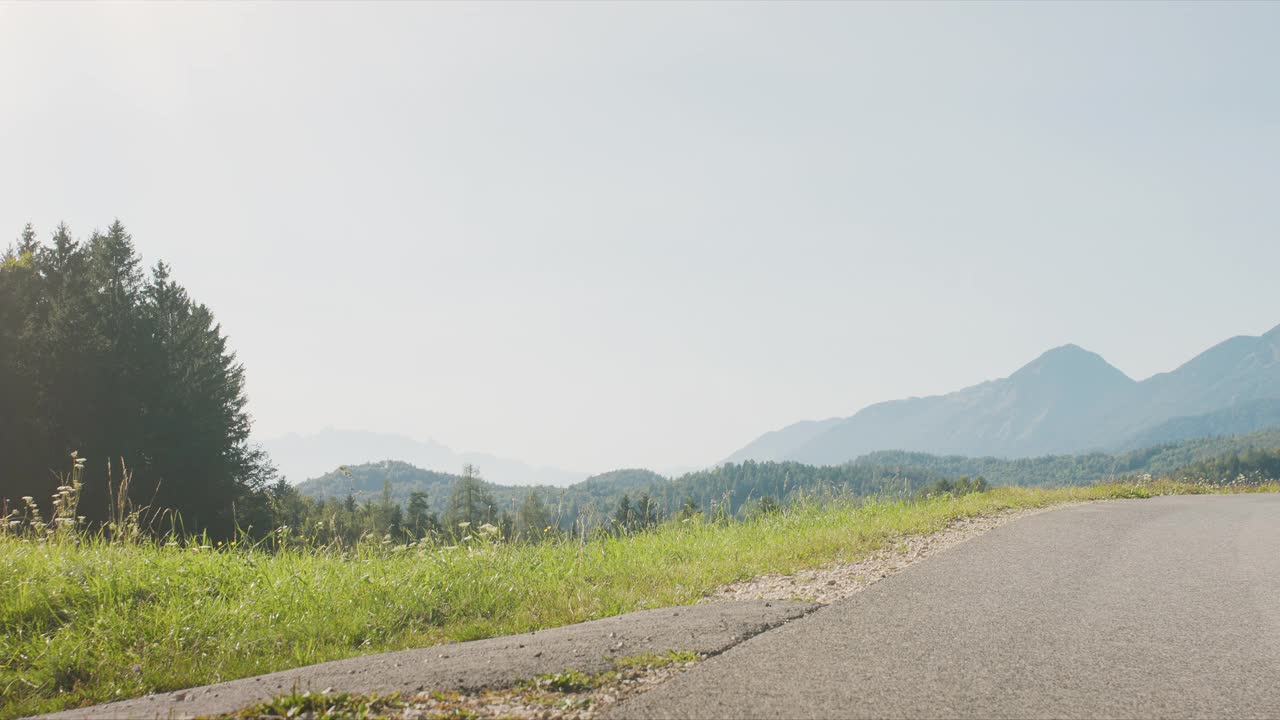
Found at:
<point>1253,465</point>
<point>102,357</point>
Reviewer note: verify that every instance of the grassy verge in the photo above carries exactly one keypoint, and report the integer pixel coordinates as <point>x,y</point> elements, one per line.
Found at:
<point>86,622</point>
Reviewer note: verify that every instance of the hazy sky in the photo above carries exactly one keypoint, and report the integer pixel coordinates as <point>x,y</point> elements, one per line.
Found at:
<point>602,235</point>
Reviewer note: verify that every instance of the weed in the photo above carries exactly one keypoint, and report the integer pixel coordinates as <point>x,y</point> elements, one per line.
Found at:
<point>569,681</point>
<point>650,661</point>
<point>322,706</point>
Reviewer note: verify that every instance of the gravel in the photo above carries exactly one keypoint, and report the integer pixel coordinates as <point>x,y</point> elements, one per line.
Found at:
<point>834,582</point>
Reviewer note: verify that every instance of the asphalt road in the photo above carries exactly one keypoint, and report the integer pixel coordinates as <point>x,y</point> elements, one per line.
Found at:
<point>1164,608</point>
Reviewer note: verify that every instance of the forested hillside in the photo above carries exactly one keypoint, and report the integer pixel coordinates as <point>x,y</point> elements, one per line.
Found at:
<point>1078,469</point>
<point>899,473</point>
<point>1250,466</point>
<point>397,482</point>
<point>738,489</point>
<point>1238,419</point>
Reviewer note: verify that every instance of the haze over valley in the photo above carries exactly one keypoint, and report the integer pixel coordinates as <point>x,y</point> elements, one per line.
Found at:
<point>299,457</point>
<point>1068,401</point>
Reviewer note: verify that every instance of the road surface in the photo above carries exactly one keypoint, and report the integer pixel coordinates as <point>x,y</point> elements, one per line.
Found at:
<point>1163,608</point>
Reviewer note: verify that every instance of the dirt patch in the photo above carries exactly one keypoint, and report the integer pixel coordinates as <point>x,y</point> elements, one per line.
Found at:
<point>538,702</point>
<point>566,696</point>
<point>830,583</point>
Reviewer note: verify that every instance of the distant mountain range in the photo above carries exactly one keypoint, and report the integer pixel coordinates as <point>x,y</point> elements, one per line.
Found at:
<point>1068,400</point>
<point>299,457</point>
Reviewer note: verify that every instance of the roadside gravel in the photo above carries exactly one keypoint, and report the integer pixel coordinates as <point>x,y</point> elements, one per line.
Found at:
<point>830,583</point>
<point>529,703</point>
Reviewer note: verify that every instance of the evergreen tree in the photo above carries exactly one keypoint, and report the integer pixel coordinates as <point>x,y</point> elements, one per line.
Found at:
<point>625,516</point>
<point>506,526</point>
<point>395,522</point>
<point>533,517</point>
<point>646,511</point>
<point>419,520</point>
<point>688,508</point>
<point>97,359</point>
<point>471,503</point>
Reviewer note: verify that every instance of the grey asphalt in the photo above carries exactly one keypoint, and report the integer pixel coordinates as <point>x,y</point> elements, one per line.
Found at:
<point>499,662</point>
<point>1162,608</point>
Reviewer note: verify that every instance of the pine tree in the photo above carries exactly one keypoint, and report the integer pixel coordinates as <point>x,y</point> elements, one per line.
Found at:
<point>419,520</point>
<point>624,516</point>
<point>646,512</point>
<point>470,503</point>
<point>534,518</point>
<point>21,293</point>
<point>96,359</point>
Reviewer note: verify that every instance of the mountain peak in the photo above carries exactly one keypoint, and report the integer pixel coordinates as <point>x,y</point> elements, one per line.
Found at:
<point>1071,362</point>
<point>1069,350</point>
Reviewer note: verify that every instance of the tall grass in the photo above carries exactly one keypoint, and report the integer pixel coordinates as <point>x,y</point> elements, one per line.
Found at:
<point>91,619</point>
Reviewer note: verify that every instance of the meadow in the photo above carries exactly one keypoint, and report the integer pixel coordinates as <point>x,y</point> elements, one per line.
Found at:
<point>87,619</point>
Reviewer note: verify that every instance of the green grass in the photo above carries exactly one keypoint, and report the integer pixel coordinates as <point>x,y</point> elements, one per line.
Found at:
<point>87,622</point>
<point>649,661</point>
